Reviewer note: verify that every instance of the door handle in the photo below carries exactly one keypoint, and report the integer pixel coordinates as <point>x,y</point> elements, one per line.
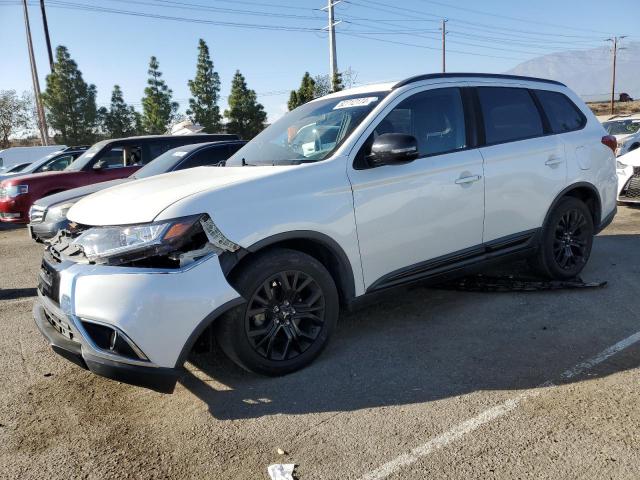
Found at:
<point>467,180</point>
<point>553,161</point>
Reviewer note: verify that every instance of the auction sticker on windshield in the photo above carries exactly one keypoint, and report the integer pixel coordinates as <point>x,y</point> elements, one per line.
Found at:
<point>355,102</point>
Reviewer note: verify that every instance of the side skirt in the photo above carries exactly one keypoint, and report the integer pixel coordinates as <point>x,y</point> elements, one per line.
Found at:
<point>463,262</point>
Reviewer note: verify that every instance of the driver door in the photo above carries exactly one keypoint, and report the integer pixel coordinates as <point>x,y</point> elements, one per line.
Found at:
<point>426,214</point>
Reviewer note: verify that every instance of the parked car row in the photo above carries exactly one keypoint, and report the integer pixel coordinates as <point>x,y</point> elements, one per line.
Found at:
<point>346,196</point>
<point>48,215</point>
<point>626,129</point>
<point>104,161</point>
<point>52,162</point>
<point>14,156</point>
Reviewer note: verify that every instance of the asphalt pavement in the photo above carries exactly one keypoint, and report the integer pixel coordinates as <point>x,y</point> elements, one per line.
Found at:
<point>428,383</point>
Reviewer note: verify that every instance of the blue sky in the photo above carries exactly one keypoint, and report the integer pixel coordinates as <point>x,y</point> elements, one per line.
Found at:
<point>377,39</point>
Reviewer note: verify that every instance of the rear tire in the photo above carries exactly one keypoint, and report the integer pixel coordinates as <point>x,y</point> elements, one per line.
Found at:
<point>567,238</point>
<point>291,311</point>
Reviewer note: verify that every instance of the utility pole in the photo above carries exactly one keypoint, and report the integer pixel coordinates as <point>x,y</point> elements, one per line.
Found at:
<point>46,34</point>
<point>615,41</point>
<point>42,123</point>
<point>444,45</point>
<point>333,60</point>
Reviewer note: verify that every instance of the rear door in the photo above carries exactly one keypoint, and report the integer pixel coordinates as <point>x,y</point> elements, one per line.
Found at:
<point>524,164</point>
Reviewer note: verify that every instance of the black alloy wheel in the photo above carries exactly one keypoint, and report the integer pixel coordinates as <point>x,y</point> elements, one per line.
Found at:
<point>285,315</point>
<point>290,312</point>
<point>566,240</point>
<point>572,233</point>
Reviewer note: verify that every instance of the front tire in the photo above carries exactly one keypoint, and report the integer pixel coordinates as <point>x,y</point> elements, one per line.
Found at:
<point>291,310</point>
<point>567,238</point>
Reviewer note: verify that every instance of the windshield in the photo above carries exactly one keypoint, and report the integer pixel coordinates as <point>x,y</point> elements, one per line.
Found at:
<point>309,133</point>
<point>18,168</point>
<point>622,127</point>
<point>84,159</point>
<point>165,162</point>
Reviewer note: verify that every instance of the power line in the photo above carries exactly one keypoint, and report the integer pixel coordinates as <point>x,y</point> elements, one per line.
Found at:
<point>517,19</point>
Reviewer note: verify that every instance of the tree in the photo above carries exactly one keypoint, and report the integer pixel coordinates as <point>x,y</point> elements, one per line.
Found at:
<point>246,117</point>
<point>205,88</point>
<point>157,108</point>
<point>14,115</point>
<point>345,79</point>
<point>70,102</point>
<point>304,94</point>
<point>120,119</point>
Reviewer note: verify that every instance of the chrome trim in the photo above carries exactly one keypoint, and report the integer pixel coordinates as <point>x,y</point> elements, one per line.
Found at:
<point>37,213</point>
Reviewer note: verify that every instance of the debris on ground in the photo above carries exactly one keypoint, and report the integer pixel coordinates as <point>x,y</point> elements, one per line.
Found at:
<point>281,471</point>
<point>281,451</point>
<point>511,283</point>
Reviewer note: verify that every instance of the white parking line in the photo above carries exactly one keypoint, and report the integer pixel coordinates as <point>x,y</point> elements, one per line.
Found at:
<point>487,416</point>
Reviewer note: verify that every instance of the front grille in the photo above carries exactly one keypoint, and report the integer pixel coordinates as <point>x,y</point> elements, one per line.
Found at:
<point>49,281</point>
<point>37,213</point>
<point>631,191</point>
<point>60,325</point>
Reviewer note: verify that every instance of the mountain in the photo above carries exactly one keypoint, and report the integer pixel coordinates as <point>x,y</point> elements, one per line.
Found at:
<point>588,72</point>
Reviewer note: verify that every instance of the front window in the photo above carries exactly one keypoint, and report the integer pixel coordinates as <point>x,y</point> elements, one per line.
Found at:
<point>87,157</point>
<point>310,133</point>
<point>622,127</point>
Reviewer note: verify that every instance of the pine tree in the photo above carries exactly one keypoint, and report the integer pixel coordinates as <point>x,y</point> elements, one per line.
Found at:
<point>205,88</point>
<point>70,102</point>
<point>246,117</point>
<point>337,82</point>
<point>157,108</point>
<point>120,120</point>
<point>305,93</point>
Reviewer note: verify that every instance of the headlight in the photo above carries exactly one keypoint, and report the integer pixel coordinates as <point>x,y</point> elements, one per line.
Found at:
<point>13,191</point>
<point>123,244</point>
<point>59,212</point>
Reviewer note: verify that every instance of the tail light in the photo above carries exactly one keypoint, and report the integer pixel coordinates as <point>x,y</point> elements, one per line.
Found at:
<point>610,141</point>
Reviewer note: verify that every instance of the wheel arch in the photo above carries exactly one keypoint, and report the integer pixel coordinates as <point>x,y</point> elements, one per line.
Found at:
<point>318,245</point>
<point>585,191</point>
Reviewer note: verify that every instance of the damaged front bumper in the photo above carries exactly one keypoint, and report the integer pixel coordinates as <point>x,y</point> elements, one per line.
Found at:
<point>49,318</point>
<point>134,325</point>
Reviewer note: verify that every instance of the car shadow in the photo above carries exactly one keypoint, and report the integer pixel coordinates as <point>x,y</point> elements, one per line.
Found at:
<point>16,293</point>
<point>427,344</point>
<point>4,226</point>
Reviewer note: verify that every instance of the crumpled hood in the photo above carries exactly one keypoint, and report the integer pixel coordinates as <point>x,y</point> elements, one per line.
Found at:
<point>143,200</point>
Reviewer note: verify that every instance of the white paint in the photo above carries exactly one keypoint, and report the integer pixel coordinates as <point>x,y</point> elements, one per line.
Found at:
<point>491,414</point>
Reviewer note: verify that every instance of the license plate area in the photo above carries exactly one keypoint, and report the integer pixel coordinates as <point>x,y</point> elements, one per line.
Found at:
<point>49,281</point>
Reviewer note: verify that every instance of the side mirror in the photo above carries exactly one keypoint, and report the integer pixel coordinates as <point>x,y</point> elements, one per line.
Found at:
<point>99,165</point>
<point>391,148</point>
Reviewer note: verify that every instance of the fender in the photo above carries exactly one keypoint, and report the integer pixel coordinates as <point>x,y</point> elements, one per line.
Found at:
<point>573,186</point>
<point>344,268</point>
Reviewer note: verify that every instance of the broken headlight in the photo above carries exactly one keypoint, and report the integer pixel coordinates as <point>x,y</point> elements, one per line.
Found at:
<point>131,243</point>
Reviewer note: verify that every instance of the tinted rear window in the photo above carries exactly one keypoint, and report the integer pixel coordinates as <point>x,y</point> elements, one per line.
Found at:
<point>509,114</point>
<point>562,113</point>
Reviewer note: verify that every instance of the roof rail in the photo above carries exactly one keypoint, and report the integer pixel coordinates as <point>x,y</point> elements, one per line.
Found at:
<point>431,76</point>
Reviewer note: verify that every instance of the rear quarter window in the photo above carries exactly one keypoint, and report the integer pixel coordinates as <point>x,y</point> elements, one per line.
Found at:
<point>509,114</point>
<point>562,113</point>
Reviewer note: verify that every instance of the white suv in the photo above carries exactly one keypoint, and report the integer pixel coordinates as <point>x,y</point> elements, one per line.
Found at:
<point>434,176</point>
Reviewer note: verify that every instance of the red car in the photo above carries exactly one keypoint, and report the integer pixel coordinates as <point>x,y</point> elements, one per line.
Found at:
<point>106,160</point>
